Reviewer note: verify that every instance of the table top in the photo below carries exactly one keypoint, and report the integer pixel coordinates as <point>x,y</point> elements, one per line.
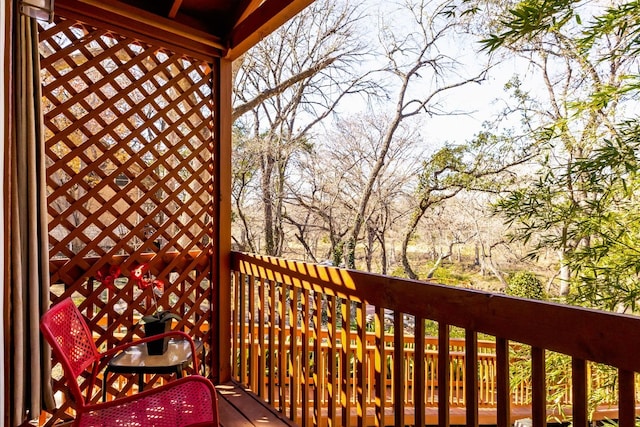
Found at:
<point>136,360</point>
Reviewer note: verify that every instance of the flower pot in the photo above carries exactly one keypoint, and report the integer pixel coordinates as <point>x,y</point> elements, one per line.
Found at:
<point>159,346</point>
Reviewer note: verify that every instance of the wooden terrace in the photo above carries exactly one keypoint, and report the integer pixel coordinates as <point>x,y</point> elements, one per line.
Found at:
<point>377,379</point>
<point>136,132</point>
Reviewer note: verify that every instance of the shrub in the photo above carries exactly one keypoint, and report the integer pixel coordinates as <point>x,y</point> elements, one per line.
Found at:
<point>526,285</point>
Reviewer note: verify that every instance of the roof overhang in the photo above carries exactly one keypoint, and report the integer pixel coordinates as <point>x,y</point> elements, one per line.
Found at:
<point>225,28</point>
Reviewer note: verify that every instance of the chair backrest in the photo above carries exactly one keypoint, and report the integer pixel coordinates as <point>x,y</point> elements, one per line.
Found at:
<point>66,331</point>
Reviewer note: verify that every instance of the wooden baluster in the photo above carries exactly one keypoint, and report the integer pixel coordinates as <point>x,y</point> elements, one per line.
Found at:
<point>282,348</point>
<point>272,302</point>
<point>294,382</point>
<point>419,383</point>
<point>334,394</point>
<point>431,376</point>
<point>304,357</point>
<point>318,372</point>
<point>444,371</point>
<point>253,338</point>
<point>241,328</point>
<point>371,368</point>
<point>471,377</point>
<point>354,369</point>
<point>539,388</point>
<point>626,399</point>
<point>503,414</point>
<point>398,368</point>
<point>262,358</point>
<point>579,394</point>
<point>361,362</point>
<point>454,380</point>
<point>346,363</point>
<point>481,382</point>
<point>380,367</point>
<point>408,381</point>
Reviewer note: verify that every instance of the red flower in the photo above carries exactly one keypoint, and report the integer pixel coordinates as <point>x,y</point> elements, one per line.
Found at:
<point>142,278</point>
<point>158,284</point>
<point>140,275</point>
<point>108,274</point>
<point>137,274</point>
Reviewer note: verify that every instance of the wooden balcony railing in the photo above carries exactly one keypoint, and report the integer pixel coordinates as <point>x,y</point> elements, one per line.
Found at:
<point>377,380</point>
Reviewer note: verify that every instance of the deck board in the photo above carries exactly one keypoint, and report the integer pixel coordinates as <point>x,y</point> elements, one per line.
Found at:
<point>240,408</point>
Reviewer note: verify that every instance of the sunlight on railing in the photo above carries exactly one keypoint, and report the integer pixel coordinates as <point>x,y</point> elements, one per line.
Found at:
<point>290,322</point>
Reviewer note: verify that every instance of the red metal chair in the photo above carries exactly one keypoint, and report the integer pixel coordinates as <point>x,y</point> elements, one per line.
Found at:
<point>184,402</point>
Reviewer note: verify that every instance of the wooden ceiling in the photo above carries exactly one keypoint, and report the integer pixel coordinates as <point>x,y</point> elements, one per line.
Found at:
<point>225,28</point>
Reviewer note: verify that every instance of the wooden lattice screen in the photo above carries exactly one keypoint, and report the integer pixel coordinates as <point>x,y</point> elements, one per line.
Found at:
<point>129,146</point>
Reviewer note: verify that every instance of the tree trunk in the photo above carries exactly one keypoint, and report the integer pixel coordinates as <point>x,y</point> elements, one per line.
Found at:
<point>383,252</point>
<point>267,202</point>
<point>565,274</point>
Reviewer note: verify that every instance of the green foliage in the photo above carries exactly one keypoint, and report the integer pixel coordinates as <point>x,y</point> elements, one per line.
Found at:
<point>543,212</point>
<point>398,271</point>
<point>448,276</point>
<point>557,371</point>
<point>558,378</point>
<point>525,284</point>
<point>350,254</point>
<point>600,230</point>
<point>583,201</point>
<point>608,267</point>
<point>338,251</point>
<point>442,169</point>
<point>621,21</point>
<point>530,18</point>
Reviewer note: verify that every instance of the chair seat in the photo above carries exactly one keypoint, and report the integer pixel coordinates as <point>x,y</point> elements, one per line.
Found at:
<point>181,403</point>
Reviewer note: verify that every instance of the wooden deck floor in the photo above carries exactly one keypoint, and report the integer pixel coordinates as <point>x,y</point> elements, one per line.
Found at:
<point>239,408</point>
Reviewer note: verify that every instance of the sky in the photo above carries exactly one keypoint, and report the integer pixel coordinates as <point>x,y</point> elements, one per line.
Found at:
<point>474,103</point>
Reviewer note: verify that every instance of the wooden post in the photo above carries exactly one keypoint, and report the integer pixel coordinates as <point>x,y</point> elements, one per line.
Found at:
<point>222,183</point>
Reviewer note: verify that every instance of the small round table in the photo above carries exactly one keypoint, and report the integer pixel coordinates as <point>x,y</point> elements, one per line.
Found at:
<point>135,360</point>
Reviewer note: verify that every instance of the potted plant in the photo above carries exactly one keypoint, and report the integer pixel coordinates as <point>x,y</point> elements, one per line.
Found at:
<point>158,321</point>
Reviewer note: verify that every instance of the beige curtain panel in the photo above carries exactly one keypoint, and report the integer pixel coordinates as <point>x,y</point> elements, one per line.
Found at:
<point>28,296</point>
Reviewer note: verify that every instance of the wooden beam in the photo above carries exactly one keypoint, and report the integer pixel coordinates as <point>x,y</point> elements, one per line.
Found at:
<point>174,8</point>
<point>270,15</point>
<point>245,8</point>
<point>129,20</point>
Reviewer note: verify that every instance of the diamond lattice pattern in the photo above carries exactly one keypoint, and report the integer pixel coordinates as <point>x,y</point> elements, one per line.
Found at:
<point>129,149</point>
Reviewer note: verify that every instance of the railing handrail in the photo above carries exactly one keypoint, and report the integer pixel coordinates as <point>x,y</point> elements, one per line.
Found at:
<point>603,337</point>
<point>380,376</point>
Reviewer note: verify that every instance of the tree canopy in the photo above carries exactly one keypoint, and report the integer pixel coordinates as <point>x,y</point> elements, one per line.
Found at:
<point>583,202</point>
<point>370,187</point>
